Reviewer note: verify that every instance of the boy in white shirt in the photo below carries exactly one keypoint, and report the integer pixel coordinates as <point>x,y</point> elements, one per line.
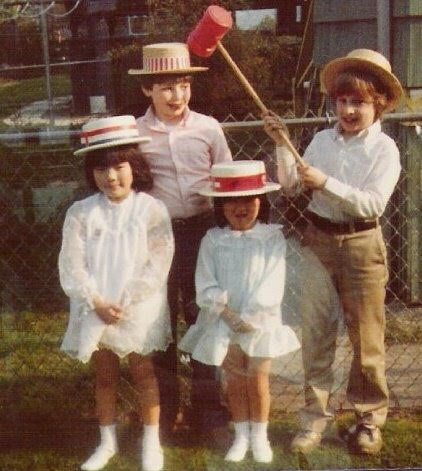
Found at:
<point>183,147</point>
<point>352,170</point>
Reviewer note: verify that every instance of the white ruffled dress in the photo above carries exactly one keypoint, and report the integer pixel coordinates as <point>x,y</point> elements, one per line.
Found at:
<point>121,252</point>
<point>246,271</point>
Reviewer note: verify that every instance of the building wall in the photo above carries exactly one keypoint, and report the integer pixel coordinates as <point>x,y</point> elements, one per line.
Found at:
<point>407,41</point>
<point>342,26</point>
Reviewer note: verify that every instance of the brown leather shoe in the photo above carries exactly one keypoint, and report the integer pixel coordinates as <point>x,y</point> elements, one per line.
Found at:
<point>363,438</point>
<point>368,439</point>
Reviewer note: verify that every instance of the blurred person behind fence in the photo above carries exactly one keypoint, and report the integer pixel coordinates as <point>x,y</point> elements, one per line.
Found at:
<point>352,170</point>
<point>115,257</point>
<point>184,144</point>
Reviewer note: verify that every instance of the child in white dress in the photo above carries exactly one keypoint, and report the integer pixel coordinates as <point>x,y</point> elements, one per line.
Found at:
<point>115,257</point>
<point>240,279</point>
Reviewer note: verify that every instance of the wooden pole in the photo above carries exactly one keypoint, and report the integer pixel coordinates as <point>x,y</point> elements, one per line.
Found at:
<point>248,87</point>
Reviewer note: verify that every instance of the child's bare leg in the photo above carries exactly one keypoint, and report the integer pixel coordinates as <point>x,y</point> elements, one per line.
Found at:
<point>259,406</point>
<point>107,373</point>
<point>259,388</point>
<point>106,379</point>
<point>146,385</point>
<point>235,367</point>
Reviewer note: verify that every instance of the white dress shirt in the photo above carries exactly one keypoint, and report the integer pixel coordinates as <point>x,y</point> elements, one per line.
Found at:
<point>362,173</point>
<point>180,159</point>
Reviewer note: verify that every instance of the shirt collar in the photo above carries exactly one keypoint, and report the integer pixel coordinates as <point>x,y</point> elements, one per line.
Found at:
<point>154,123</point>
<point>367,133</point>
<point>259,231</point>
<point>116,206</point>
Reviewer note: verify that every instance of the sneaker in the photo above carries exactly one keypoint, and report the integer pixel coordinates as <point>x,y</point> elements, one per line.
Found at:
<point>152,458</point>
<point>261,451</point>
<point>238,450</point>
<point>305,441</point>
<point>364,438</point>
<point>99,459</point>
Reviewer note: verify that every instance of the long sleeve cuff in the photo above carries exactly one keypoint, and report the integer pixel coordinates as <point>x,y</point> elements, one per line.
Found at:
<point>286,169</point>
<point>284,156</point>
<point>336,188</point>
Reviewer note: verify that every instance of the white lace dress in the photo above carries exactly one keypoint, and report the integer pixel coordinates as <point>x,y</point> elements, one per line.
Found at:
<point>244,270</point>
<point>121,252</point>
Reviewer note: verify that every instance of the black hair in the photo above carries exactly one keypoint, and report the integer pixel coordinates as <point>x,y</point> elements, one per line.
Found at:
<point>263,214</point>
<point>107,157</point>
<point>148,81</point>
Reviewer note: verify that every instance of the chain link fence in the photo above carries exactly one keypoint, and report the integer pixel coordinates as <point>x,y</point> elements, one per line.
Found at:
<point>402,230</point>
<point>40,179</point>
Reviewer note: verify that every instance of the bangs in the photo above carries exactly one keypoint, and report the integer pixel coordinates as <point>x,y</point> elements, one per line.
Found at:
<point>356,82</point>
<point>263,214</point>
<point>348,84</point>
<point>150,80</point>
<point>108,157</point>
<point>365,86</point>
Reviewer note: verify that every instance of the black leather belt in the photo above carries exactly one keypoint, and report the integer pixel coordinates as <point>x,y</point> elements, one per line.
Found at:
<point>347,227</point>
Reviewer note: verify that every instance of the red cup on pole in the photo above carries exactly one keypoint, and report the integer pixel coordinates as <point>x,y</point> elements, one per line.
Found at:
<point>205,39</point>
<point>214,24</point>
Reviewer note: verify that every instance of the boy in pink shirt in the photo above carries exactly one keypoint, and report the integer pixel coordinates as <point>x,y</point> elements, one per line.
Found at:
<point>184,146</point>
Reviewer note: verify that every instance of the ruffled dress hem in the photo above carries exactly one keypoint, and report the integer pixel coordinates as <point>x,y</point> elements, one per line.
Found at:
<point>120,353</point>
<point>210,344</point>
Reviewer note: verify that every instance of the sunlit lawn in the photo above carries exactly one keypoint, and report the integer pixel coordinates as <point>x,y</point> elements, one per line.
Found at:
<point>15,94</point>
<point>47,423</point>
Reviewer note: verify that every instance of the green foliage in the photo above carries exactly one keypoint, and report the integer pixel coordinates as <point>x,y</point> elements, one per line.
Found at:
<point>21,40</point>
<point>267,61</point>
<point>179,18</point>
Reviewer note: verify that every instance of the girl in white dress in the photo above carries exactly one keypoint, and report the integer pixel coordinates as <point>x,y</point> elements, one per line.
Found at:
<point>116,253</point>
<point>240,279</point>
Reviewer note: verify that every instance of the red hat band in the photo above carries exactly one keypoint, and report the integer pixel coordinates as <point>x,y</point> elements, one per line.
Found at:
<point>249,182</point>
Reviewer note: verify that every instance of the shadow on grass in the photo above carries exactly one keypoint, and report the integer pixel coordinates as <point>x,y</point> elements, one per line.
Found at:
<point>62,443</point>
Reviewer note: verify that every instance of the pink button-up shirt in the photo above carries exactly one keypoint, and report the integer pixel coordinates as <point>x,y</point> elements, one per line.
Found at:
<point>180,159</point>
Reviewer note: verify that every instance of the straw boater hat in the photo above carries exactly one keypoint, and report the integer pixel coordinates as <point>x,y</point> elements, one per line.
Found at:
<point>166,58</point>
<point>109,132</point>
<point>370,61</point>
<point>238,178</point>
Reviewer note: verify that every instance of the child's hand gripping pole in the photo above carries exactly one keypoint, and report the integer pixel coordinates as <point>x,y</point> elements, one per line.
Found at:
<point>203,41</point>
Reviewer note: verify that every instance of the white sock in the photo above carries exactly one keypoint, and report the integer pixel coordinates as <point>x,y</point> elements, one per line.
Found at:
<point>108,436</point>
<point>151,435</point>
<point>259,430</point>
<point>241,430</point>
<point>106,450</point>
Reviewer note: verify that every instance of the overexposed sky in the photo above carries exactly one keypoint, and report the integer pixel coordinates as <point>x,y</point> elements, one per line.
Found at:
<point>249,19</point>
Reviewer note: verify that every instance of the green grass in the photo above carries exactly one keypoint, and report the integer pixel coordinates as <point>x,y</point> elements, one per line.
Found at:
<point>403,329</point>
<point>15,94</point>
<point>47,422</point>
<point>63,446</point>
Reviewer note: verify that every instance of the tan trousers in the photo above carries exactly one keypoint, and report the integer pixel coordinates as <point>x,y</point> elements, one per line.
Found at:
<point>356,264</point>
